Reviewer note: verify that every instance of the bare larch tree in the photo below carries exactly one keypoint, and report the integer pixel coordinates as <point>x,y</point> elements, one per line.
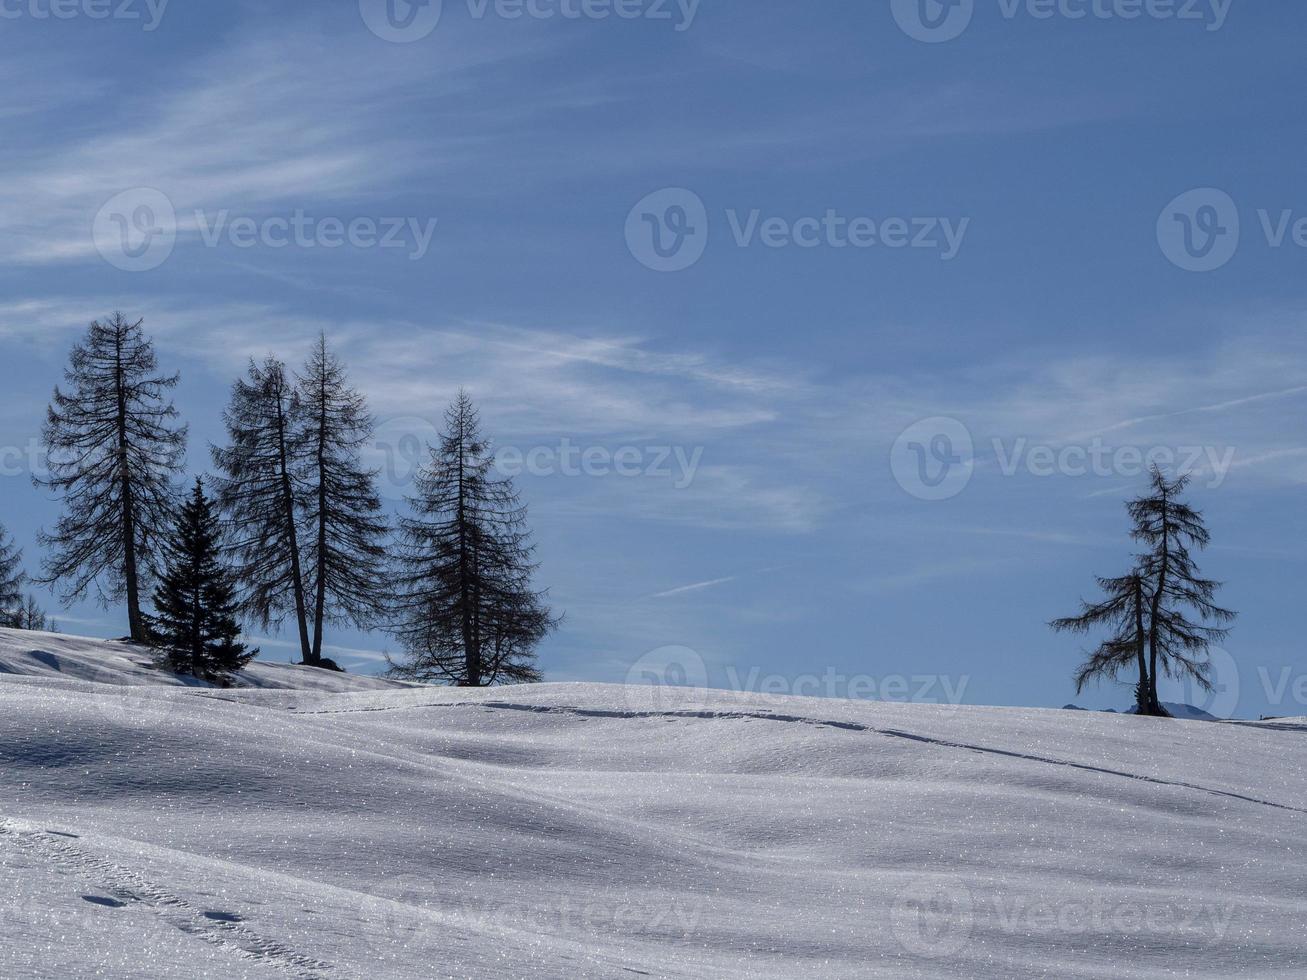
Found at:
<point>1168,528</point>
<point>259,490</point>
<point>343,514</point>
<point>115,447</point>
<point>466,611</point>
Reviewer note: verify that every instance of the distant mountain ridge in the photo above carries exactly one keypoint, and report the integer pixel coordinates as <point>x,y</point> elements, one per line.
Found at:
<point>1185,712</point>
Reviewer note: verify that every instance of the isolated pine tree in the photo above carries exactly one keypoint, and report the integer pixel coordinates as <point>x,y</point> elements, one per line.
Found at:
<point>346,543</point>
<point>1168,528</point>
<point>12,580</point>
<point>466,612</point>
<point>1123,612</point>
<point>195,621</point>
<point>259,492</point>
<point>115,447</point>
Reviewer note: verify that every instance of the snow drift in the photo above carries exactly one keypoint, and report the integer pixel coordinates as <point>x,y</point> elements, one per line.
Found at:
<point>316,825</point>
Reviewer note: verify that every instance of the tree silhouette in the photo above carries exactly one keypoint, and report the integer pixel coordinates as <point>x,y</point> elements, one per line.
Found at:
<point>1169,527</point>
<point>115,448</point>
<point>259,490</point>
<point>466,612</point>
<point>1144,611</point>
<point>346,542</point>
<point>12,580</point>
<point>195,605</point>
<point>1123,612</point>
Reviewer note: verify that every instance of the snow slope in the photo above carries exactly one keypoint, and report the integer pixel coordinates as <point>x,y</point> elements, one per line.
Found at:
<point>347,828</point>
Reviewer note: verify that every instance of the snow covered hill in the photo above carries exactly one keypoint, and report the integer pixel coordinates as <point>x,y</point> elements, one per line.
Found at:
<point>73,658</point>
<point>319,826</point>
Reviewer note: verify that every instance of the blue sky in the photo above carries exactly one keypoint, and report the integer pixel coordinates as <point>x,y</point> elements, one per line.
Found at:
<point>879,224</point>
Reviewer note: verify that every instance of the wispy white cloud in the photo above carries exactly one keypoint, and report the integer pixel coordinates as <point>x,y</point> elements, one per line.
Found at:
<point>254,124</point>
<point>693,587</point>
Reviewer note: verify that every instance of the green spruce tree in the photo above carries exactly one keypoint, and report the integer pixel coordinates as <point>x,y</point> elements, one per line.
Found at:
<point>11,581</point>
<point>195,623</point>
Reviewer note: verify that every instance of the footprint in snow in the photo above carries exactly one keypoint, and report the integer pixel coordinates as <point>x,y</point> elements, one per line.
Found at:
<point>223,917</point>
<point>109,903</point>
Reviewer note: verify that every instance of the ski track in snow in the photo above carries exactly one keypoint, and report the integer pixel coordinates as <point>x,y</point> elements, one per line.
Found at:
<point>850,726</point>
<point>132,888</point>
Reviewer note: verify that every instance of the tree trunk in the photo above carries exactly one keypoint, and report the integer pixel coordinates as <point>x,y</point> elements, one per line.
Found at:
<point>297,578</point>
<point>131,575</point>
<point>471,655</point>
<point>320,599</point>
<point>1154,703</point>
<point>1143,701</point>
<point>195,624</point>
